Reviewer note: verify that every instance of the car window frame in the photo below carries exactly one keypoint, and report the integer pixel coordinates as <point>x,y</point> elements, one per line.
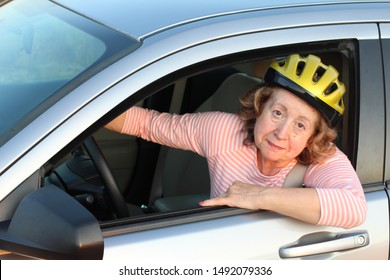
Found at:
<point>199,67</point>
<point>121,93</point>
<point>385,44</point>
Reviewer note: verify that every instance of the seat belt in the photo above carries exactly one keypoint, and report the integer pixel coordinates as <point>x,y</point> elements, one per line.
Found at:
<point>177,99</point>
<point>294,178</point>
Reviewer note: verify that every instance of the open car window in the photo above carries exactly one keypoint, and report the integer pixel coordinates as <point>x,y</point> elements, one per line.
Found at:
<point>155,179</point>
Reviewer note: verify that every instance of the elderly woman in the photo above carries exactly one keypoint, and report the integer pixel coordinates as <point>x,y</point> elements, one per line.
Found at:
<point>288,119</point>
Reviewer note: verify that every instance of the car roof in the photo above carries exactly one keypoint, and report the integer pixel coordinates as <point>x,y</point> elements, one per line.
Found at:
<point>142,18</point>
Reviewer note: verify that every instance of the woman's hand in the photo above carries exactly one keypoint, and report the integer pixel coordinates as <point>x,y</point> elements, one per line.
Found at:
<point>240,195</point>
<point>298,203</point>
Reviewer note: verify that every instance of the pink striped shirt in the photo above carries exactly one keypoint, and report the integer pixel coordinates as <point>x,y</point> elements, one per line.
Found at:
<point>218,137</point>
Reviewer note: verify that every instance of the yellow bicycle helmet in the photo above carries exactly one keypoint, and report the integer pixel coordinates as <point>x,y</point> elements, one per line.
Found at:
<point>311,80</point>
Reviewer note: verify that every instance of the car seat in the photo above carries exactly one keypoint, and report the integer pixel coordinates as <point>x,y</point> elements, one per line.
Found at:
<point>182,177</point>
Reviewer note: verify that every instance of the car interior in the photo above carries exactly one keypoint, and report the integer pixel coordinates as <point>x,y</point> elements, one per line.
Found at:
<point>150,178</point>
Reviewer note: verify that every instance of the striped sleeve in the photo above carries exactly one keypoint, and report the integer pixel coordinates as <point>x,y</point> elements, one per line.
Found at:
<point>198,132</point>
<point>340,192</point>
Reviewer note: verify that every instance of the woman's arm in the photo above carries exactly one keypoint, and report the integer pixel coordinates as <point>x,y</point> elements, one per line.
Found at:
<point>334,196</point>
<point>299,203</point>
<point>195,132</point>
<point>178,131</point>
<point>116,124</point>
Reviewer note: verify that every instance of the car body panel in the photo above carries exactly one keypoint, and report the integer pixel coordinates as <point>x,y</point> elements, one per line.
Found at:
<point>127,16</point>
<point>235,237</point>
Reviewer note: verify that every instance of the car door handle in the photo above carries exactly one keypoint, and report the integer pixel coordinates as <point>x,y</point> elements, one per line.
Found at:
<point>324,242</point>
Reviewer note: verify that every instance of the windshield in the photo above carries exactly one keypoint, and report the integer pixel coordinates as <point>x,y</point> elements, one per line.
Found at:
<point>45,52</point>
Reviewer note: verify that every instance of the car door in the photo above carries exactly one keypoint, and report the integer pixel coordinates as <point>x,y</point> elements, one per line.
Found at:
<point>241,234</point>
<point>227,233</point>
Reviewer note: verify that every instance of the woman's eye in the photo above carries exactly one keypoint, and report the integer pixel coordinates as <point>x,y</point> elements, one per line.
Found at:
<point>301,126</point>
<point>277,113</point>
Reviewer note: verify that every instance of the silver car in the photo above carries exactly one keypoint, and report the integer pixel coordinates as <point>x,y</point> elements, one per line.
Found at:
<point>70,189</point>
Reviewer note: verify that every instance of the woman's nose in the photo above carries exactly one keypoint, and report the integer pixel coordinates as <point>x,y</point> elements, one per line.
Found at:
<point>283,130</point>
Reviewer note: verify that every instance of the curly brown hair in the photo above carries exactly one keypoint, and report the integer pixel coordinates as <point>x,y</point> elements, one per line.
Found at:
<point>320,144</point>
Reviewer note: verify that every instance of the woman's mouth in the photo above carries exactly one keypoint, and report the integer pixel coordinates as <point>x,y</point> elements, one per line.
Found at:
<point>274,146</point>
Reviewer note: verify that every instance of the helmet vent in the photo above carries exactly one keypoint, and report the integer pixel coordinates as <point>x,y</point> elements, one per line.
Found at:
<point>315,82</point>
<point>301,65</point>
<point>318,74</point>
<point>331,89</point>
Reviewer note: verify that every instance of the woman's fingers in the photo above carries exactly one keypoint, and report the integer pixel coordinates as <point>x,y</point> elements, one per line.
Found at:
<point>218,201</point>
<point>238,195</point>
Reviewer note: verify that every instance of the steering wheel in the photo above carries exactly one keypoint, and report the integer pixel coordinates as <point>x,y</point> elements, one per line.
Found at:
<point>100,162</point>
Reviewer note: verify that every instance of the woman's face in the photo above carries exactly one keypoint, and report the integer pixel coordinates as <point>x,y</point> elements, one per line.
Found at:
<point>283,128</point>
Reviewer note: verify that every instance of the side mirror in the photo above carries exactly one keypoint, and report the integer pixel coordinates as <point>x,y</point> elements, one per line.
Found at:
<point>50,224</point>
